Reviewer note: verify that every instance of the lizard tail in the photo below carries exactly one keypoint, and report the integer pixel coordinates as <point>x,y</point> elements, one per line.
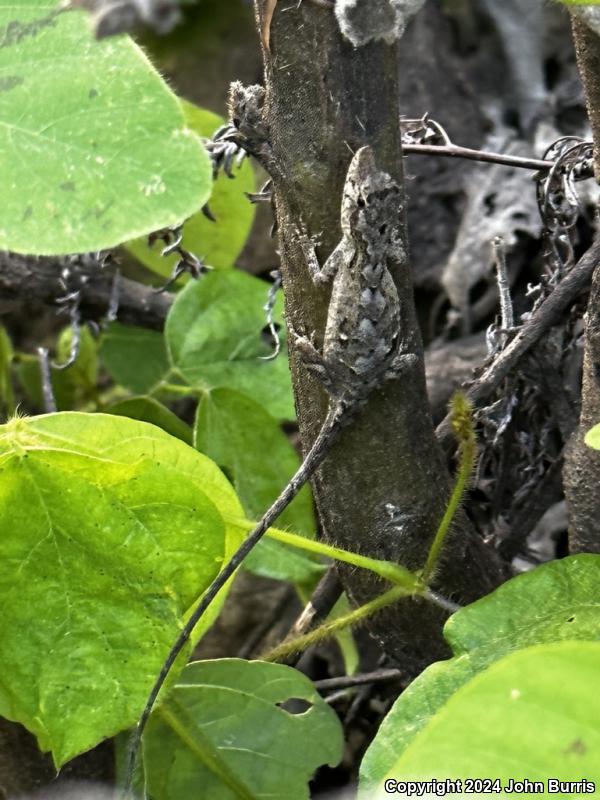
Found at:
<point>328,433</point>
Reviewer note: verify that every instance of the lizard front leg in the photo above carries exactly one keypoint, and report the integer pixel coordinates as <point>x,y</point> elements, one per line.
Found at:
<point>339,258</point>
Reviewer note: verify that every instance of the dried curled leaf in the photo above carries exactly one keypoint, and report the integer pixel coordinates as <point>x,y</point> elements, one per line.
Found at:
<point>500,202</point>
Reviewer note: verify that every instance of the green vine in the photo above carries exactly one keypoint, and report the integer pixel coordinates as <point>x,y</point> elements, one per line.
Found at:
<point>406,583</point>
<point>462,425</point>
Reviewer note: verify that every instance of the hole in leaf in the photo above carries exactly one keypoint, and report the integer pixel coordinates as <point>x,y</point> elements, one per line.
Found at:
<point>295,705</point>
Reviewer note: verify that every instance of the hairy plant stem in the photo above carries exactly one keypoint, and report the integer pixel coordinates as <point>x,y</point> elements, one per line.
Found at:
<point>328,629</point>
<point>354,618</point>
<point>462,424</point>
<point>384,569</point>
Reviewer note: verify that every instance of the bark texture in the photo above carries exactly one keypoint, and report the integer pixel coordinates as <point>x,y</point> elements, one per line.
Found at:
<point>582,463</point>
<point>587,48</point>
<point>25,280</point>
<point>581,473</point>
<point>324,100</point>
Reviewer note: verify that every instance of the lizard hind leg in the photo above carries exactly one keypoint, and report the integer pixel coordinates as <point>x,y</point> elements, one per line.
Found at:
<point>313,360</point>
<point>400,364</point>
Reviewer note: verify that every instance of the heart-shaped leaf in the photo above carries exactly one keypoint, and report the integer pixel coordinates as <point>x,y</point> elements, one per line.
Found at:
<point>109,531</point>
<point>213,335</point>
<point>218,243</point>
<point>94,149</point>
<point>150,410</point>
<point>230,727</point>
<point>124,346</point>
<point>532,716</point>
<point>556,601</point>
<point>236,432</point>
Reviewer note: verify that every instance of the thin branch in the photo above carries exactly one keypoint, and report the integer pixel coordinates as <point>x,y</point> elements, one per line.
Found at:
<point>323,599</point>
<point>312,461</point>
<point>456,151</point>
<point>442,601</point>
<point>347,681</point>
<point>506,306</point>
<point>547,314</point>
<point>425,136</point>
<point>46,379</point>
<point>24,279</point>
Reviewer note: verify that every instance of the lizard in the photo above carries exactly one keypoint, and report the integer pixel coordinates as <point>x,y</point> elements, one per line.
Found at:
<point>362,349</point>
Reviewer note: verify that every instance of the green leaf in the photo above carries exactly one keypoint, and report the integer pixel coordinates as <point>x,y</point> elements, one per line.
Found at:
<point>109,531</point>
<point>592,437</point>
<point>217,243</point>
<point>249,445</point>
<point>73,387</point>
<point>237,433</point>
<point>84,370</point>
<point>213,334</point>
<point>556,601</point>
<point>509,617</point>
<point>345,637</point>
<point>150,410</point>
<point>29,375</point>
<point>94,149</point>
<point>533,715</point>
<point>223,728</point>
<point>279,562</point>
<point>135,357</point>
<point>7,398</point>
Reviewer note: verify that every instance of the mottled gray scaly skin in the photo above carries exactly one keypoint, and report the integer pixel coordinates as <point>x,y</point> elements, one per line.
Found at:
<point>362,335</point>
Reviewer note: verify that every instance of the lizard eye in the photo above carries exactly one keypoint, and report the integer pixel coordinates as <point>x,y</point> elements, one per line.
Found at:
<point>360,202</point>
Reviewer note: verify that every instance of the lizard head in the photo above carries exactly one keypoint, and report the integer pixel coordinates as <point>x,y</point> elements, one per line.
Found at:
<point>371,197</point>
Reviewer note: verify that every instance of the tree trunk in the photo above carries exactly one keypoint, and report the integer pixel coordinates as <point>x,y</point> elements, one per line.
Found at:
<point>582,464</point>
<point>324,100</point>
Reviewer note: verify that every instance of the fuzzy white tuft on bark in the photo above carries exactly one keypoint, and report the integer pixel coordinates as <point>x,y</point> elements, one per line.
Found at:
<point>364,21</point>
<point>590,15</point>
